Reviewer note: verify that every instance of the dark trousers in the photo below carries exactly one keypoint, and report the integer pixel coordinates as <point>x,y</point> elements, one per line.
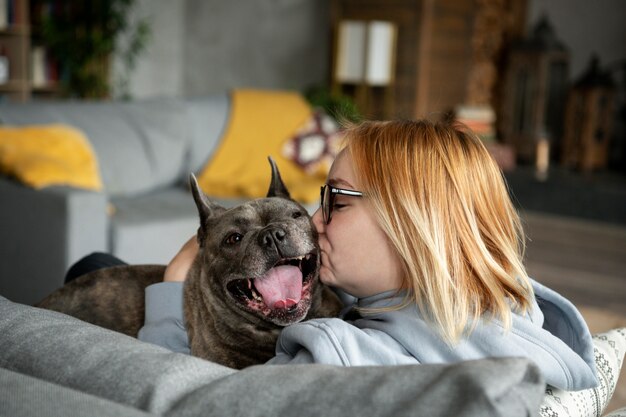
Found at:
<point>92,262</point>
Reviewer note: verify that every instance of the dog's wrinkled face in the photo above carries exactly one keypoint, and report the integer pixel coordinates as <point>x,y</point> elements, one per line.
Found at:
<point>262,256</point>
<point>266,253</point>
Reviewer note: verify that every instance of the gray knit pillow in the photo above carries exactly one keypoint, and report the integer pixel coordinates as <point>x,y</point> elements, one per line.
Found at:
<point>609,351</point>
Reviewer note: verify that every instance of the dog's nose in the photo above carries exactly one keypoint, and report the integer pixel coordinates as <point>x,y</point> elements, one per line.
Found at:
<point>279,234</point>
<point>272,237</point>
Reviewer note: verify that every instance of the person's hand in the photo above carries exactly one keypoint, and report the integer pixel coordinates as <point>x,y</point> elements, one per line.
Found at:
<point>179,266</point>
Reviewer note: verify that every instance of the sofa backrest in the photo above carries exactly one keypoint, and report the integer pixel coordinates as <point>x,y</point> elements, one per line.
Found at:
<point>140,146</point>
<point>207,121</point>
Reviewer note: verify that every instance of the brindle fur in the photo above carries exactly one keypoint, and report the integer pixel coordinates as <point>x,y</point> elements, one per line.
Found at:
<point>112,298</point>
<point>219,329</point>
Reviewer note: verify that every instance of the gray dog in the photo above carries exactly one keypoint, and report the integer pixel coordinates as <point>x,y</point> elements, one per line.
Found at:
<point>256,272</point>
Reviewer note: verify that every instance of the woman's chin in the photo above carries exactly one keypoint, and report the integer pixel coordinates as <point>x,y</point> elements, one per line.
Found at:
<point>326,277</point>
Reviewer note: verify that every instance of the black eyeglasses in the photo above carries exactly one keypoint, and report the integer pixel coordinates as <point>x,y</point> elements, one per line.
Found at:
<point>328,193</point>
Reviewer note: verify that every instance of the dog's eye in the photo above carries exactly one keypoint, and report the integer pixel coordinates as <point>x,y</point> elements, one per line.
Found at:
<point>233,239</point>
<point>296,214</point>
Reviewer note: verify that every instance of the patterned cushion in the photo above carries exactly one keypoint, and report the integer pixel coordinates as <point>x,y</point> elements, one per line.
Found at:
<point>259,123</point>
<point>315,145</point>
<point>609,351</point>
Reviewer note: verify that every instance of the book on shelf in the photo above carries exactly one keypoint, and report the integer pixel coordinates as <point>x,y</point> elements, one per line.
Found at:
<point>44,70</point>
<point>4,68</point>
<point>480,119</point>
<point>13,13</point>
<point>4,14</point>
<point>38,65</point>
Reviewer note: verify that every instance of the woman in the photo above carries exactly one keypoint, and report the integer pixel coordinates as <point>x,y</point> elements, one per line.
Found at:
<point>417,224</point>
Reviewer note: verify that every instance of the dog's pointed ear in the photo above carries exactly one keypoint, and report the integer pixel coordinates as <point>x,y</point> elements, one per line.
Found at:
<point>206,208</point>
<point>277,188</point>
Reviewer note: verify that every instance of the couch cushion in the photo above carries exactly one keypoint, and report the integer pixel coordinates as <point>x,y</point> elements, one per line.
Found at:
<point>140,146</point>
<point>45,155</point>
<point>25,396</point>
<point>63,350</point>
<point>151,228</point>
<point>207,121</point>
<point>50,346</point>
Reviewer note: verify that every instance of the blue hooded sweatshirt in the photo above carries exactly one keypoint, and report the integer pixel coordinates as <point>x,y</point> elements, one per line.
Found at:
<point>553,334</point>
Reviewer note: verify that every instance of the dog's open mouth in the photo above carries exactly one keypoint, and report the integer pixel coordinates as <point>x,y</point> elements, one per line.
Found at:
<point>283,287</point>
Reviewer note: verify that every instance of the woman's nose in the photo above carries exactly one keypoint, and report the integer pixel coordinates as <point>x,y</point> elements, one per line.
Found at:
<point>318,220</point>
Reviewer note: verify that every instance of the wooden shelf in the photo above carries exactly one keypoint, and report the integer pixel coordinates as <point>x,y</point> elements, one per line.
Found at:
<point>13,86</point>
<point>15,44</point>
<point>15,30</point>
<point>441,53</point>
<point>46,89</point>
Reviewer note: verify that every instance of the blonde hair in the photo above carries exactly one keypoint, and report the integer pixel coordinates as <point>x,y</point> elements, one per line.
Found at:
<point>443,204</point>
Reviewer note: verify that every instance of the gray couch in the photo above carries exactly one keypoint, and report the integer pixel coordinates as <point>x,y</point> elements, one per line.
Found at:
<point>145,151</point>
<point>55,365</point>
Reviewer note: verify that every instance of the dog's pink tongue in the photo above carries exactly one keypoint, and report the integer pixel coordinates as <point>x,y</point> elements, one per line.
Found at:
<point>281,287</point>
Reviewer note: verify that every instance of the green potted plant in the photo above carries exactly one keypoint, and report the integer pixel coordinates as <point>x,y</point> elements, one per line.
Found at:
<point>83,36</point>
<point>340,107</point>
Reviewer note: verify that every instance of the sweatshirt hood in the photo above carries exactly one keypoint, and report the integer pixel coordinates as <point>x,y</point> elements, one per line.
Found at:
<point>553,334</point>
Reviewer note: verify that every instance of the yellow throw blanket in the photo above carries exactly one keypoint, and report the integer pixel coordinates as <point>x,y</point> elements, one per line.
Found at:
<point>45,155</point>
<point>260,123</point>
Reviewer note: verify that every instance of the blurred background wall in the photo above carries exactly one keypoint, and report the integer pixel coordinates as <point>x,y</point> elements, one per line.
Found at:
<point>586,27</point>
<point>201,47</point>
<point>204,46</point>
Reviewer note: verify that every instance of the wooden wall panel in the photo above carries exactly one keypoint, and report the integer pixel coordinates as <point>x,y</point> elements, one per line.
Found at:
<point>450,54</point>
<point>406,14</point>
<point>449,51</point>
